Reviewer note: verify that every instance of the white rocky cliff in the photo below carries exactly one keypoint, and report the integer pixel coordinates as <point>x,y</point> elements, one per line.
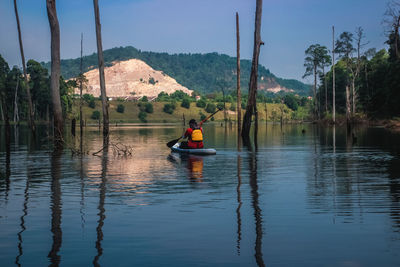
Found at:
<point>132,78</point>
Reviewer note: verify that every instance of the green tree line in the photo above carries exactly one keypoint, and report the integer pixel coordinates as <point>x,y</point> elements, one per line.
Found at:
<point>13,92</point>
<point>367,82</point>
<point>201,72</point>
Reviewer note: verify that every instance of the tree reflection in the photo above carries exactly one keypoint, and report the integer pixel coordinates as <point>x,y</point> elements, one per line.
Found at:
<point>394,184</point>
<point>239,200</point>
<point>102,197</point>
<point>56,211</point>
<point>256,207</point>
<point>81,176</point>
<point>22,219</point>
<point>7,174</point>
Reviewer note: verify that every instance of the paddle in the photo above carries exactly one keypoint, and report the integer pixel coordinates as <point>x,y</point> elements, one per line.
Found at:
<point>173,142</point>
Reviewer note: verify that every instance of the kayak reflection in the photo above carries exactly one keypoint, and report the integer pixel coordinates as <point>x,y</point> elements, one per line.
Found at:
<point>193,163</point>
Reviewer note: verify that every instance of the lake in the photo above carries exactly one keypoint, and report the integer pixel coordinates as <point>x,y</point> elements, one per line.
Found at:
<point>307,196</point>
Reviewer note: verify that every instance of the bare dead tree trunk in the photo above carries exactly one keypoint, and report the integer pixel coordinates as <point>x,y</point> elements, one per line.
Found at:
<point>55,71</point>
<point>392,21</point>
<point>16,116</point>
<point>223,98</point>
<point>2,111</point>
<point>326,91</point>
<point>251,107</point>
<point>348,105</point>
<point>80,92</point>
<point>48,114</point>
<point>315,92</point>
<point>104,99</point>
<point>239,94</point>
<point>396,36</point>
<point>360,36</point>
<point>354,96</point>
<point>31,120</point>
<point>333,76</point>
<point>366,81</point>
<point>266,111</point>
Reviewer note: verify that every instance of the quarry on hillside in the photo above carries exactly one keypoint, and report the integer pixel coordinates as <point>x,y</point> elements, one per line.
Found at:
<point>131,79</point>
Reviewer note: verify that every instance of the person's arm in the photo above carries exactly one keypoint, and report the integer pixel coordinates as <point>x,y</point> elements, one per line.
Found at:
<point>186,134</point>
<point>206,119</point>
<point>209,116</point>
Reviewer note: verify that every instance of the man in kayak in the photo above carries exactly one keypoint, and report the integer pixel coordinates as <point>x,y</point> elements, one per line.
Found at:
<point>194,134</point>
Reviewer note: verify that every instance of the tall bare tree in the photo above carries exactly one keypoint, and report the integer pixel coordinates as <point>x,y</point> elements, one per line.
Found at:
<point>251,107</point>
<point>28,91</point>
<point>81,81</point>
<point>348,106</point>
<point>392,24</point>
<point>104,99</point>
<point>55,71</point>
<point>16,116</point>
<point>239,94</point>
<point>357,66</point>
<point>333,77</point>
<point>344,47</point>
<point>326,61</point>
<point>316,55</point>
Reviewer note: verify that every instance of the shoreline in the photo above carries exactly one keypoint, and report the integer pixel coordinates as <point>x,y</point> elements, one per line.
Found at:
<point>389,124</point>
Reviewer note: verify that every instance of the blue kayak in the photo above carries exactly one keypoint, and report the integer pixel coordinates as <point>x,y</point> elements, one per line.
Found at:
<point>196,151</point>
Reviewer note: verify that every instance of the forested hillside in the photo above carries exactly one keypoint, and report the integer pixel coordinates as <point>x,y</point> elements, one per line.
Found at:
<point>201,72</point>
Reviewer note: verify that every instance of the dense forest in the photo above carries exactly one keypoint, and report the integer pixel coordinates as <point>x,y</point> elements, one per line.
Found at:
<point>204,73</point>
<point>366,82</point>
<point>13,92</point>
<point>377,85</point>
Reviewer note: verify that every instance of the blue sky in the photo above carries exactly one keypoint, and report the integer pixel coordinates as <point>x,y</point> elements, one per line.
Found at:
<point>192,26</point>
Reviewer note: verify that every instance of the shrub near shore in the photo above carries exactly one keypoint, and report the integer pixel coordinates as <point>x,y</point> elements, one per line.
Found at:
<point>132,110</point>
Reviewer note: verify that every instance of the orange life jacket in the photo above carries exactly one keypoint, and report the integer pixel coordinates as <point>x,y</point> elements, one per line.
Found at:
<point>197,135</point>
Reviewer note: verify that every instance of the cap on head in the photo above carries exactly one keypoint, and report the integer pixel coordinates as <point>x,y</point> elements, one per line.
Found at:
<point>192,121</point>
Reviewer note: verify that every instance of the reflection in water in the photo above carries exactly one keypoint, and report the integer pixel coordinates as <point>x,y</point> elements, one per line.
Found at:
<point>255,128</point>
<point>81,176</point>
<point>7,132</point>
<point>256,207</point>
<point>334,186</point>
<point>239,200</point>
<point>394,184</point>
<point>195,167</point>
<point>16,136</point>
<point>55,208</point>
<point>22,219</point>
<point>225,134</point>
<point>314,181</point>
<point>193,163</point>
<point>102,197</point>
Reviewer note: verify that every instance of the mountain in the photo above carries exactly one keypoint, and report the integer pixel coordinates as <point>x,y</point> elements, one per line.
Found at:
<point>132,78</point>
<point>205,73</point>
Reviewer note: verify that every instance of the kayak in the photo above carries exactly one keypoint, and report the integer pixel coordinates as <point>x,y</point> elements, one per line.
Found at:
<point>196,151</point>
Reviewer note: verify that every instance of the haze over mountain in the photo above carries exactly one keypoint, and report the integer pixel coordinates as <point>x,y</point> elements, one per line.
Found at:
<point>204,73</point>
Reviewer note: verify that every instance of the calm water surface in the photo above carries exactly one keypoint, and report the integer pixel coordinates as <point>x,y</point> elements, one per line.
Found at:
<point>302,199</point>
